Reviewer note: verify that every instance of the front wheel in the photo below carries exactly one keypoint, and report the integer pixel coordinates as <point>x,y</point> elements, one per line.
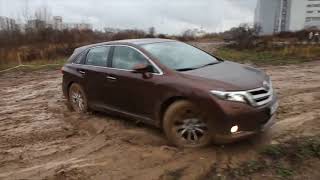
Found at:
<point>77,98</point>
<point>186,125</point>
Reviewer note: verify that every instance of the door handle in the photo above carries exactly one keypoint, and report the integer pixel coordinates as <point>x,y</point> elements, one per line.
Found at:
<point>111,78</point>
<point>82,72</point>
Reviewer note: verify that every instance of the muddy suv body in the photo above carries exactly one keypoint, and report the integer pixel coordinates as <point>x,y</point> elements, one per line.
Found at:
<point>146,80</point>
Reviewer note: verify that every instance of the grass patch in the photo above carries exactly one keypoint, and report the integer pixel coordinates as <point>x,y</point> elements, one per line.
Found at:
<point>294,150</point>
<point>284,172</point>
<point>249,167</point>
<point>273,151</point>
<point>277,56</point>
<point>35,65</point>
<point>281,160</point>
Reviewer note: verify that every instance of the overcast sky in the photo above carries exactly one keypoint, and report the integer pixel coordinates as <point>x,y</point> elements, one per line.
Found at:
<point>167,16</point>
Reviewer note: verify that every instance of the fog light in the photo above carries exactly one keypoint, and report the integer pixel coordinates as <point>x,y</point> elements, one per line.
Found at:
<point>234,129</point>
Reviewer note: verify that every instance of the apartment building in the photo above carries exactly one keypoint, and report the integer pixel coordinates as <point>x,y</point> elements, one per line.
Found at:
<point>56,23</point>
<point>59,24</point>
<point>312,14</point>
<point>287,15</point>
<point>79,26</point>
<point>7,23</point>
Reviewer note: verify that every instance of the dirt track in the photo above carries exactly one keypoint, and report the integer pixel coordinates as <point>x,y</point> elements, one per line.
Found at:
<point>41,139</point>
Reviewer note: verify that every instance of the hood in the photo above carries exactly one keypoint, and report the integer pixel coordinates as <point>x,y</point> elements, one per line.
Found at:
<point>228,76</point>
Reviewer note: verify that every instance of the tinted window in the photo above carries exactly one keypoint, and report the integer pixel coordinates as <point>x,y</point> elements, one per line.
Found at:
<point>78,60</point>
<point>179,56</point>
<point>126,58</point>
<point>98,56</point>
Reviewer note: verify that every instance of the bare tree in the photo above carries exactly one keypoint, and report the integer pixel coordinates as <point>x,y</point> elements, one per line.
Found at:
<point>244,35</point>
<point>257,28</point>
<point>189,34</point>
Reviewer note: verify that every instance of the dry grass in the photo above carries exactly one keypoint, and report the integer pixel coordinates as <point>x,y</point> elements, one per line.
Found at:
<point>275,56</point>
<point>36,65</point>
<point>280,160</point>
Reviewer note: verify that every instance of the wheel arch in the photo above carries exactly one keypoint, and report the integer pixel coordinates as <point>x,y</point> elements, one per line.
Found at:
<point>166,104</point>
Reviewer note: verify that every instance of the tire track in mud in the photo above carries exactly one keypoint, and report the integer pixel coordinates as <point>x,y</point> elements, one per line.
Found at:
<point>299,92</point>
<point>41,138</point>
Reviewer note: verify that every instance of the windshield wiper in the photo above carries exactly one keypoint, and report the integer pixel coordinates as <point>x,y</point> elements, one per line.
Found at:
<point>186,69</point>
<point>209,64</point>
<point>193,68</point>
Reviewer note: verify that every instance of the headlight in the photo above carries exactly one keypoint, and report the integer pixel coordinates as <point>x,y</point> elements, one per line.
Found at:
<point>240,96</point>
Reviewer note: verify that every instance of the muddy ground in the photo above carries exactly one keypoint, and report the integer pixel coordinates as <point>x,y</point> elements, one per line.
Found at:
<point>41,139</point>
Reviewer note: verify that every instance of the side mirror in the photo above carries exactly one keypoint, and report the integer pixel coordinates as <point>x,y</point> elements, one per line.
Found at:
<point>142,68</point>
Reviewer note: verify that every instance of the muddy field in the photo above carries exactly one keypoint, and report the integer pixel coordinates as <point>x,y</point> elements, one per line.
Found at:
<point>41,139</point>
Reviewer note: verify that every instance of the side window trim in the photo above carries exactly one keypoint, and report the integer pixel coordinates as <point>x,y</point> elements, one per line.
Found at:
<point>110,58</point>
<point>86,57</point>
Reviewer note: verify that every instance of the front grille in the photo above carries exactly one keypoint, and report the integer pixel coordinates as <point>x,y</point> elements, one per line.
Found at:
<point>261,96</point>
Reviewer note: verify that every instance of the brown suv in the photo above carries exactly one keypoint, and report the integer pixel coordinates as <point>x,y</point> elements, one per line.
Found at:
<point>194,96</point>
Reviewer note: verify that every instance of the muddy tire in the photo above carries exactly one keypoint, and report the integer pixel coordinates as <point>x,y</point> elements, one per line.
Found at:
<point>185,125</point>
<point>78,99</point>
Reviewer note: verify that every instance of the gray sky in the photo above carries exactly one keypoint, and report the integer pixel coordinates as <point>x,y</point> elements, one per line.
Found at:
<point>167,16</point>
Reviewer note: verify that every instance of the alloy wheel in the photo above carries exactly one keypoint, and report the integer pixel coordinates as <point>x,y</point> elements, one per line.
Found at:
<point>77,99</point>
<point>191,130</point>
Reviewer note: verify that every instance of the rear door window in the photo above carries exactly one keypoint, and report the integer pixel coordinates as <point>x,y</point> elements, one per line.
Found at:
<point>98,56</point>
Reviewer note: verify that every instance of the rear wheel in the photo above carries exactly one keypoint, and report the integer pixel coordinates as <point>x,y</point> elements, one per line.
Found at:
<point>186,125</point>
<point>77,98</point>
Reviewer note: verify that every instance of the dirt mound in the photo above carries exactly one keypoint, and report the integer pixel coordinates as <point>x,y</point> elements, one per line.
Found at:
<point>42,139</point>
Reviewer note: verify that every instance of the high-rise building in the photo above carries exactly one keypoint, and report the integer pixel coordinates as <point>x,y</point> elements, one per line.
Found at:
<point>57,23</point>
<point>287,15</point>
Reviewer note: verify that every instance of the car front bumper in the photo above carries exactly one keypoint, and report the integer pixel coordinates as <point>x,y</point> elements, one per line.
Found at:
<point>232,137</point>
<point>250,120</point>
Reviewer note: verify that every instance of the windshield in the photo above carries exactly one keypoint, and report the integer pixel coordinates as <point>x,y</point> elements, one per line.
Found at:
<point>180,56</point>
